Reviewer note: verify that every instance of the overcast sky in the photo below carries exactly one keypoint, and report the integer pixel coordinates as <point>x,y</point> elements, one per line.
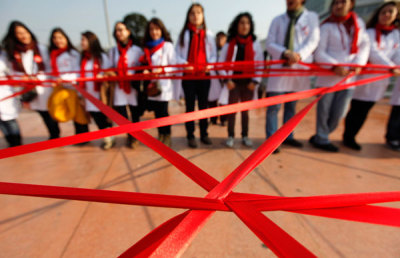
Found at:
<point>76,16</point>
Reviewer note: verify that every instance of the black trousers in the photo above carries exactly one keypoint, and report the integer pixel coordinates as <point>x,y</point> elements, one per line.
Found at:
<point>52,126</point>
<point>160,109</point>
<point>239,94</point>
<point>135,114</point>
<point>393,127</point>
<point>356,117</point>
<point>100,119</point>
<point>193,90</point>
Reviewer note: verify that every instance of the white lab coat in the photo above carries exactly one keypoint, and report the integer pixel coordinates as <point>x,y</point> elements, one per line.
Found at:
<point>68,64</point>
<point>305,42</point>
<point>164,56</point>
<point>31,68</point>
<point>8,108</point>
<point>335,47</point>
<point>258,56</point>
<point>133,54</point>
<point>90,86</point>
<point>388,53</point>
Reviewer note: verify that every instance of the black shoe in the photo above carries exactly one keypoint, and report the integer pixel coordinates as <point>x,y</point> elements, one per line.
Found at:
<point>326,147</point>
<point>192,143</point>
<point>205,140</point>
<point>276,151</point>
<point>352,144</point>
<point>81,144</point>
<point>293,143</point>
<point>394,145</point>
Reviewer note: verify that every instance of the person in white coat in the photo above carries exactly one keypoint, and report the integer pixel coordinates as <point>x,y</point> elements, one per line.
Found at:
<point>196,46</point>
<point>385,50</point>
<point>93,59</point>
<point>293,36</point>
<point>9,108</point>
<point>124,56</point>
<point>64,61</point>
<point>30,60</point>
<point>159,51</point>
<point>242,46</point>
<point>343,41</point>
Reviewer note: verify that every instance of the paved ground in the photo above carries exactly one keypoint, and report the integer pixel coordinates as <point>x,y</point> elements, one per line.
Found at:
<point>37,227</point>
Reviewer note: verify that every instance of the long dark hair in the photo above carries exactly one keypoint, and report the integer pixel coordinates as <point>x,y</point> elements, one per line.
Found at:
<point>333,1</point>
<point>233,27</point>
<point>182,34</point>
<point>131,37</point>
<point>95,48</point>
<point>164,32</point>
<point>10,41</point>
<point>373,21</point>
<point>52,46</point>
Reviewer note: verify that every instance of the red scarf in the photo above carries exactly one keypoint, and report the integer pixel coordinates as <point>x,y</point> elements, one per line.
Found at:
<point>53,58</point>
<point>86,57</point>
<point>349,21</point>
<point>148,52</point>
<point>123,66</point>
<point>248,48</point>
<point>379,28</point>
<point>37,58</point>
<point>197,54</point>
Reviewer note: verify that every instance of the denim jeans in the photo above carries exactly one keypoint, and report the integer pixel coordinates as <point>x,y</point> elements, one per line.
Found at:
<point>272,114</point>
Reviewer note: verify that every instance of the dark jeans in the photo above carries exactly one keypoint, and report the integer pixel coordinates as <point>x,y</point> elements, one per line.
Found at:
<point>393,127</point>
<point>239,94</point>
<point>11,132</point>
<point>222,119</point>
<point>160,109</point>
<point>135,114</point>
<point>356,117</point>
<point>52,126</point>
<point>193,90</point>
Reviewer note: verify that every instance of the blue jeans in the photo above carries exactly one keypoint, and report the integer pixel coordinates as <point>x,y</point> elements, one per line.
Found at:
<point>272,114</point>
<point>330,110</point>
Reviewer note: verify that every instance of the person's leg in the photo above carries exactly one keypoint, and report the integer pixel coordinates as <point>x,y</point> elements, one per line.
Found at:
<point>393,129</point>
<point>337,108</point>
<point>202,91</point>
<point>354,121</point>
<point>190,99</point>
<point>212,104</point>
<point>288,113</point>
<point>11,132</point>
<point>102,123</point>
<point>52,126</point>
<point>323,112</point>
<point>233,98</point>
<point>272,115</point>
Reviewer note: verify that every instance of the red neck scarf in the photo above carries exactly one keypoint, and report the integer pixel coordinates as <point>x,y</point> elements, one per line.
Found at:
<point>53,58</point>
<point>123,66</point>
<point>148,52</point>
<point>379,28</point>
<point>349,21</point>
<point>197,54</point>
<point>37,58</point>
<point>248,48</point>
<point>86,57</point>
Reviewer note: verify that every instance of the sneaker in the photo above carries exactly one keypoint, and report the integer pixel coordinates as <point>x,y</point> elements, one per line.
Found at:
<point>326,147</point>
<point>192,143</point>
<point>293,143</point>
<point>108,143</point>
<point>205,140</point>
<point>351,143</point>
<point>247,142</point>
<point>394,145</point>
<point>229,142</point>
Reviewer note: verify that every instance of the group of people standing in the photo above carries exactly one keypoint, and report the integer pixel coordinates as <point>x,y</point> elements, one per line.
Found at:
<point>296,37</point>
